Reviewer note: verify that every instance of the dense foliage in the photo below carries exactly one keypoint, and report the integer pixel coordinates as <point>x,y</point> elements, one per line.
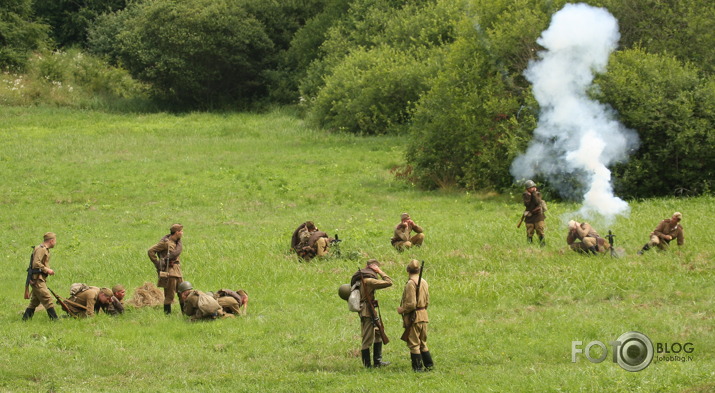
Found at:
<point>448,73</point>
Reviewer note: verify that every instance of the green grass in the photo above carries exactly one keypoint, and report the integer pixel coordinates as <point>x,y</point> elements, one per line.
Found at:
<point>503,314</point>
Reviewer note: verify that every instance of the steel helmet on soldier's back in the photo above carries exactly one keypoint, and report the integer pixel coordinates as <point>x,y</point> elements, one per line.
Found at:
<point>344,291</point>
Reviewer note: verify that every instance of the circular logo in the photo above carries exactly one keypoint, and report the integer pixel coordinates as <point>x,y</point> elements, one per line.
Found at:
<point>636,351</point>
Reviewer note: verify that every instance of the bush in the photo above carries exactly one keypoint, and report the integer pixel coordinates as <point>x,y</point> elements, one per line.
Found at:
<point>673,110</point>
<point>19,34</point>
<point>197,53</point>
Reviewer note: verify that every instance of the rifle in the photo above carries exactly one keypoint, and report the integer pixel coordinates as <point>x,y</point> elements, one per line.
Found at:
<point>610,237</point>
<point>30,272</point>
<point>371,304</point>
<point>335,243</point>
<point>62,304</point>
<point>522,218</point>
<point>406,333</point>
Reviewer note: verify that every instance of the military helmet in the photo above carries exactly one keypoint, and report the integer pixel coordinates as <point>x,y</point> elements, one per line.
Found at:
<point>344,291</point>
<point>184,286</point>
<point>529,184</point>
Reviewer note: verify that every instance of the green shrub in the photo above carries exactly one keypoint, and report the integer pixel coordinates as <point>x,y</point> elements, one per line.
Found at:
<point>672,108</point>
<point>19,34</point>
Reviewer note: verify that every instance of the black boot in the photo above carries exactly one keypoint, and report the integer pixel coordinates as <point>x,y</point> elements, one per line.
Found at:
<point>52,313</point>
<point>593,250</point>
<point>529,239</point>
<point>427,360</point>
<point>644,249</point>
<point>167,309</point>
<point>416,362</point>
<point>29,312</point>
<point>366,357</point>
<point>542,242</point>
<point>377,356</point>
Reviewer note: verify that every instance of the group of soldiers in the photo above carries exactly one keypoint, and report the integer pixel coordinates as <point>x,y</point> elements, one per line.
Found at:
<point>86,300</point>
<point>582,237</point>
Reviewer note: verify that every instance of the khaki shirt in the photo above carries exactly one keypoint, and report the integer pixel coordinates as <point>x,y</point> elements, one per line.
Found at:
<point>666,227</point>
<point>165,247</point>
<point>403,234</point>
<point>82,304</point>
<point>191,307</point>
<point>115,307</point>
<point>372,284</point>
<point>40,261</point>
<point>409,303</point>
<point>532,204</point>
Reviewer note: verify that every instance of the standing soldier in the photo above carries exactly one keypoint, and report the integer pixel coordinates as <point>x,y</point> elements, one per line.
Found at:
<point>369,322</point>
<point>413,308</point>
<point>165,256</point>
<point>666,231</point>
<point>401,238</point>
<point>38,272</point>
<point>83,304</point>
<point>533,215</point>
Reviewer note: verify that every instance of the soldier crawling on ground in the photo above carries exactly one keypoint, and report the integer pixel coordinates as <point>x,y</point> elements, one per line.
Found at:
<point>232,302</point>
<point>308,241</point>
<point>198,305</point>
<point>583,238</point>
<point>84,298</point>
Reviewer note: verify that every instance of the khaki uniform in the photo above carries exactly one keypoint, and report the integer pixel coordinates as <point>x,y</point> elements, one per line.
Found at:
<point>666,227</point>
<point>535,220</point>
<point>191,308</point>
<point>368,328</point>
<point>312,244</point>
<point>114,308</point>
<point>40,294</point>
<point>83,304</point>
<point>401,238</point>
<point>410,307</point>
<point>169,276</point>
<point>588,238</point>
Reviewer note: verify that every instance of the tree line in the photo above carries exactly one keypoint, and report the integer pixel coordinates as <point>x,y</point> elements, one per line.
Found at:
<point>446,74</point>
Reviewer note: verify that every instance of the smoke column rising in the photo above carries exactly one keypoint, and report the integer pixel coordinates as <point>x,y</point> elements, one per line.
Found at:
<point>576,138</point>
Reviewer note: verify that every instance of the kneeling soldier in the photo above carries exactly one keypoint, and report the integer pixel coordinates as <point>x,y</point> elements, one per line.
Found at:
<point>197,304</point>
<point>232,301</point>
<point>590,241</point>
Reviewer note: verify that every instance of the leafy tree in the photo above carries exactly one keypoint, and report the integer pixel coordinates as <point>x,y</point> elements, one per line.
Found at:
<point>673,110</point>
<point>19,34</point>
<point>197,53</point>
<point>70,19</point>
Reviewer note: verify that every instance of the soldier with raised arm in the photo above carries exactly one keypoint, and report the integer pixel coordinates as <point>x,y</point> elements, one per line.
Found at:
<point>165,256</point>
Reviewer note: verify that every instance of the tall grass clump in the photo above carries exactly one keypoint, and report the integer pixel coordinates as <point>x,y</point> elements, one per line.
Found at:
<point>72,79</point>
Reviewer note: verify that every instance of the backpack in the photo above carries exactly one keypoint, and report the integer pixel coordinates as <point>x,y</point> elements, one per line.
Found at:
<point>354,298</point>
<point>207,304</point>
<point>78,288</point>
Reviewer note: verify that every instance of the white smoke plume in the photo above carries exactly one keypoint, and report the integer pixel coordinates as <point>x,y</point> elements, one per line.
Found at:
<point>576,138</point>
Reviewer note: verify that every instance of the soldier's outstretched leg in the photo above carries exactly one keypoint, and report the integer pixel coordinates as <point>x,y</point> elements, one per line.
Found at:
<point>377,356</point>
<point>427,360</point>
<point>29,312</point>
<point>644,249</point>
<point>542,242</point>
<point>52,313</point>
<point>366,357</point>
<point>416,362</point>
<point>167,309</point>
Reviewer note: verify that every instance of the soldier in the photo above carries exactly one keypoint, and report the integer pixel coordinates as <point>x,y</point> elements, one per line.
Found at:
<point>666,231</point>
<point>589,240</point>
<point>401,239</point>
<point>533,215</point>
<point>39,270</point>
<point>84,303</point>
<point>191,306</point>
<point>368,324</point>
<point>308,241</point>
<point>115,306</point>
<point>165,256</point>
<point>232,302</point>
<point>414,318</point>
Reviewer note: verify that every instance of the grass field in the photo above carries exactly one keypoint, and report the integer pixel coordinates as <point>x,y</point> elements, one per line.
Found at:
<point>503,314</point>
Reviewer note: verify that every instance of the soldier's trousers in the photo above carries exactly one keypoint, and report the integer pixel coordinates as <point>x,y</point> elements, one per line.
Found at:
<point>170,284</point>
<point>369,333</point>
<point>655,241</point>
<point>415,240</point>
<point>417,338</point>
<point>321,247</point>
<point>538,227</point>
<point>585,244</point>
<point>40,295</point>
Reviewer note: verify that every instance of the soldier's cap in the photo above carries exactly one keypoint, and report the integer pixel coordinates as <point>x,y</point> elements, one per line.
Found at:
<point>404,216</point>
<point>176,228</point>
<point>117,288</point>
<point>49,235</point>
<point>678,215</point>
<point>373,262</point>
<point>106,291</point>
<point>413,266</point>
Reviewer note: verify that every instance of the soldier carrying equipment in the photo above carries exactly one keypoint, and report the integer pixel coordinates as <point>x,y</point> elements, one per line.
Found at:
<point>30,272</point>
<point>406,333</point>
